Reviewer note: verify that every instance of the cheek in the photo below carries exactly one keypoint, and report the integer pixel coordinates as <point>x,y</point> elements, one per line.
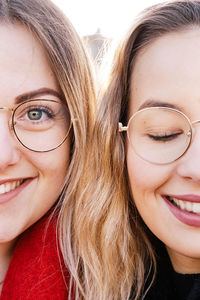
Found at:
<point>51,165</point>
<point>145,177</point>
<point>148,182</point>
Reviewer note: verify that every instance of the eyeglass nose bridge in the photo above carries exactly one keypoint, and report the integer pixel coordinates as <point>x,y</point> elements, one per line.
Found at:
<point>6,108</point>
<point>10,119</point>
<point>189,133</point>
<point>195,122</point>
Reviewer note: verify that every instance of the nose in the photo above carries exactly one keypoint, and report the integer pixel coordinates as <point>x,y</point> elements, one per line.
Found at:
<point>189,163</point>
<point>9,154</point>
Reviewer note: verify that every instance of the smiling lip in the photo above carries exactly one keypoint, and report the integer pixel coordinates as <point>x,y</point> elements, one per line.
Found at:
<point>183,215</point>
<point>188,197</point>
<point>18,185</point>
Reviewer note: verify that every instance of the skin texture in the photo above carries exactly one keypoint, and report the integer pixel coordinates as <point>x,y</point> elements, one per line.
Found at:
<point>24,68</point>
<point>168,70</point>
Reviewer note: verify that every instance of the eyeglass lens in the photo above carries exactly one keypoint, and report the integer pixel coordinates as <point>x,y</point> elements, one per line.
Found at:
<point>159,135</point>
<point>41,125</point>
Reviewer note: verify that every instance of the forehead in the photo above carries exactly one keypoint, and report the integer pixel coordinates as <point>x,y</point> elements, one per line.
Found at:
<point>24,42</point>
<point>167,69</point>
<point>24,65</point>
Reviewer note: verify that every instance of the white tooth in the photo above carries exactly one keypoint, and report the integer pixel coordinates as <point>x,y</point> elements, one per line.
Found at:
<point>182,204</point>
<point>196,208</point>
<point>20,182</point>
<point>16,184</point>
<point>188,206</point>
<point>7,187</point>
<point>13,185</point>
<point>2,188</point>
<point>176,201</point>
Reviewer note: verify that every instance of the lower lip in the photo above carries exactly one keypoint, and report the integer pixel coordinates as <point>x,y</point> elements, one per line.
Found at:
<point>183,215</point>
<point>12,194</point>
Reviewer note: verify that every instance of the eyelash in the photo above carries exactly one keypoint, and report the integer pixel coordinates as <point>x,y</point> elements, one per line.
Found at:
<point>164,137</point>
<point>43,109</point>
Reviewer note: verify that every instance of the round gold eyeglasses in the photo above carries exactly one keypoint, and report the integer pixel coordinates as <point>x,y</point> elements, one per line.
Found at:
<point>159,135</point>
<point>40,125</point>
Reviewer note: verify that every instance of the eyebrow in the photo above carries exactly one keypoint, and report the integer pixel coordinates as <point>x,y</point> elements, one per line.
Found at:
<point>157,103</point>
<point>37,93</point>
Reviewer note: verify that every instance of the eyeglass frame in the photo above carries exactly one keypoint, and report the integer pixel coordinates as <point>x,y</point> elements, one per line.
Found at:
<point>190,133</point>
<point>12,123</point>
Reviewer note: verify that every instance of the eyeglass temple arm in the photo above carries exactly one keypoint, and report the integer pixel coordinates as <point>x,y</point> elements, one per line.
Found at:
<point>6,108</point>
<point>122,128</point>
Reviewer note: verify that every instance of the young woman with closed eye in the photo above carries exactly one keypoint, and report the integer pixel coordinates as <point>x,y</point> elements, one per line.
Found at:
<point>47,109</point>
<point>146,217</point>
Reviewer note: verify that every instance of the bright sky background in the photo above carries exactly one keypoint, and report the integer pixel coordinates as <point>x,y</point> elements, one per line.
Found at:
<point>111,16</point>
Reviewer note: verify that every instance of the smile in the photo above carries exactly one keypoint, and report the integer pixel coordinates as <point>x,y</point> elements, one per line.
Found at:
<point>10,189</point>
<point>188,206</point>
<point>185,208</point>
<point>10,186</point>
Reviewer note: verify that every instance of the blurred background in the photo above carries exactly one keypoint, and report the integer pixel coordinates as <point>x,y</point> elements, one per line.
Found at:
<point>98,21</point>
<point>110,16</point>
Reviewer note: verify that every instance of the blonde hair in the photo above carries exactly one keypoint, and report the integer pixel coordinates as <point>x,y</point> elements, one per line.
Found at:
<point>72,69</point>
<point>110,253</point>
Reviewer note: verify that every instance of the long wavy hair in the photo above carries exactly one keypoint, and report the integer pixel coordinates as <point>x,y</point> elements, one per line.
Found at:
<point>72,70</point>
<point>110,252</point>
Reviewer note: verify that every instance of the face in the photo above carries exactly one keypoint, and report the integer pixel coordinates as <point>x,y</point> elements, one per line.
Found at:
<point>30,182</point>
<point>168,71</point>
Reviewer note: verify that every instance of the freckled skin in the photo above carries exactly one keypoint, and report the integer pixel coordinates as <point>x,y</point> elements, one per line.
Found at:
<point>169,70</point>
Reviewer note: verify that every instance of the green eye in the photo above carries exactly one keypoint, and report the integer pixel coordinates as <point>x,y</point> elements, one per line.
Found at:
<point>35,115</point>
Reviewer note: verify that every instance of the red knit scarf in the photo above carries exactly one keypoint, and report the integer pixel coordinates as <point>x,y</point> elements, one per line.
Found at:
<point>35,271</point>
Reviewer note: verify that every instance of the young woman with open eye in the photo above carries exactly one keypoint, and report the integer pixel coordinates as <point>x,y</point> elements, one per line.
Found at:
<point>47,111</point>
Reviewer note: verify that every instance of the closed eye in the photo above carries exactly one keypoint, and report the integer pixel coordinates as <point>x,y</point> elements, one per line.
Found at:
<point>165,137</point>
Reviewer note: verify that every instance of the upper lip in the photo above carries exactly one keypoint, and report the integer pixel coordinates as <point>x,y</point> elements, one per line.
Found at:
<point>186,197</point>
